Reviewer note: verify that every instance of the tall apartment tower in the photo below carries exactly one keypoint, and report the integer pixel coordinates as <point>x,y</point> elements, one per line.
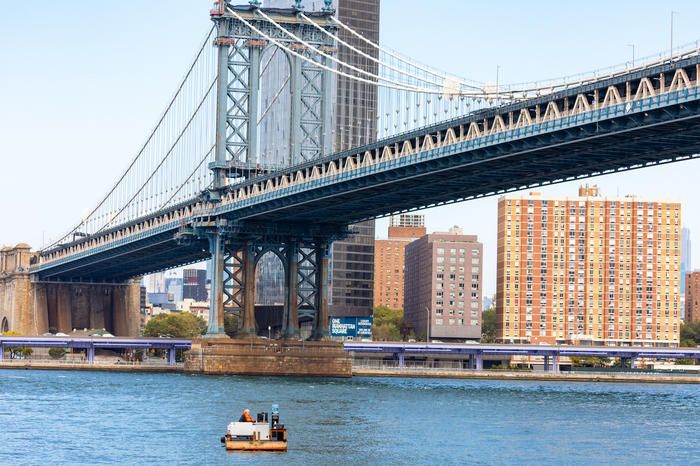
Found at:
<point>389,259</point>
<point>692,297</point>
<point>443,286</point>
<point>352,266</point>
<point>588,269</point>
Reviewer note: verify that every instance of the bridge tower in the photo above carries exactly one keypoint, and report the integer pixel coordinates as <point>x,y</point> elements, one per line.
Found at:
<point>234,244</point>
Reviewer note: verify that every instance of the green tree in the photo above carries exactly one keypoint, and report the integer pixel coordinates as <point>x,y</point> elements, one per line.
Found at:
<point>590,361</point>
<point>387,324</point>
<point>18,351</point>
<point>231,324</point>
<point>175,325</point>
<point>488,326</point>
<point>57,353</point>
<point>690,334</point>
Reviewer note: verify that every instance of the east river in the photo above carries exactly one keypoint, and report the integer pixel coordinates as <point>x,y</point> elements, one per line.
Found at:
<point>57,417</point>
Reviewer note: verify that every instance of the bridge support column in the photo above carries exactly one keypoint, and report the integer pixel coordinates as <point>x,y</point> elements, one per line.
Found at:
<point>295,115</point>
<point>219,165</point>
<point>2,351</point>
<point>249,326</point>
<point>401,360</point>
<point>632,358</point>
<point>171,356</point>
<point>546,364</point>
<point>216,306</point>
<point>91,354</point>
<point>623,362</point>
<point>291,325</point>
<point>322,262</point>
<point>555,364</point>
<point>479,361</point>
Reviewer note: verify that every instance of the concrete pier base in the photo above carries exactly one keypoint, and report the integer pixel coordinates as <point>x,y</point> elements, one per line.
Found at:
<point>255,356</point>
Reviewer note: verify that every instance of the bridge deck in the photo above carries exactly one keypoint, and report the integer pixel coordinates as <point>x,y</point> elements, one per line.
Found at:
<point>642,118</point>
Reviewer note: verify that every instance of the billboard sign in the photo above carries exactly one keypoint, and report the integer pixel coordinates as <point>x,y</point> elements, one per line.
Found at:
<point>356,327</point>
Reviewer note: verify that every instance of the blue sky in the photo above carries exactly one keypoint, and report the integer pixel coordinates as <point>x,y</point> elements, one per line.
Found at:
<point>82,83</point>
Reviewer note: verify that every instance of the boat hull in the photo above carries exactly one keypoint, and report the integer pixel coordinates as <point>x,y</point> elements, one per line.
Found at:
<point>256,445</point>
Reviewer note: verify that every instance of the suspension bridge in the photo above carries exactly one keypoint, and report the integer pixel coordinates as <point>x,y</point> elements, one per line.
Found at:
<point>209,182</point>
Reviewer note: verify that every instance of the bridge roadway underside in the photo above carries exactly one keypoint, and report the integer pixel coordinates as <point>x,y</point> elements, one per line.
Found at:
<point>635,140</point>
<point>149,255</point>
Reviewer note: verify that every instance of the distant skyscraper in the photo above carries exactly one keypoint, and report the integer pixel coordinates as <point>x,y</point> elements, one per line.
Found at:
<point>156,283</point>
<point>269,280</point>
<point>194,284</point>
<point>352,266</point>
<point>588,268</point>
<point>173,286</point>
<point>442,283</point>
<point>686,265</point>
<point>692,297</point>
<point>389,259</point>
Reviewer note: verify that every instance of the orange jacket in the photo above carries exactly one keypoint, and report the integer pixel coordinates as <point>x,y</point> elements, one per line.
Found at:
<point>245,417</point>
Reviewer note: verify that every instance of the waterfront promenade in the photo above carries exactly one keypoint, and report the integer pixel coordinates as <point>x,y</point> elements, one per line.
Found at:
<point>48,364</point>
<point>616,377</point>
<point>363,370</point>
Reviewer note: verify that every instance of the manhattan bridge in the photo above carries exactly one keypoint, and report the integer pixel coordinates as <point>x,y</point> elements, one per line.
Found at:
<point>206,184</point>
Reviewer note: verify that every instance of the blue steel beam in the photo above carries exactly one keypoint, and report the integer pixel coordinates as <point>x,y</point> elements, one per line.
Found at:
<point>529,350</point>
<point>82,343</point>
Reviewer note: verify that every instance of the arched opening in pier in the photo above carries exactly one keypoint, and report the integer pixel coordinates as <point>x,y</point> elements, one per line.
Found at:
<point>5,326</point>
<point>269,293</point>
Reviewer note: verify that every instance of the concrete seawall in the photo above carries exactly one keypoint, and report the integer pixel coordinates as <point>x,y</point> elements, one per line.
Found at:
<point>537,376</point>
<point>57,366</point>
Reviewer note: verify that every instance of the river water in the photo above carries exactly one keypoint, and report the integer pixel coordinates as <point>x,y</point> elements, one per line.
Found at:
<point>59,417</point>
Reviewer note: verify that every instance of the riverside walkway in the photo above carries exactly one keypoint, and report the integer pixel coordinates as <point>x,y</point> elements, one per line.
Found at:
<point>89,345</point>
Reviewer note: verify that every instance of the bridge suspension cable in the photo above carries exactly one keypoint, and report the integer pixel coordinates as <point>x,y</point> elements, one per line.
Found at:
<point>377,79</point>
<point>397,57</point>
<point>182,132</point>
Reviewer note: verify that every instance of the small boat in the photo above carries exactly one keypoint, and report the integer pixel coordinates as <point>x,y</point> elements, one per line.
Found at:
<point>265,434</point>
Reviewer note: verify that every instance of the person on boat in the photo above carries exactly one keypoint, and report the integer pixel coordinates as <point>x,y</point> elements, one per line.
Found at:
<point>245,416</point>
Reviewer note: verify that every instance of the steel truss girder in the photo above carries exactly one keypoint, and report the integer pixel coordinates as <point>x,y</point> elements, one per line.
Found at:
<point>307,285</point>
<point>306,32</point>
<point>312,96</point>
<point>244,64</point>
<point>233,280</point>
<point>239,100</point>
<point>586,139</point>
<point>306,281</point>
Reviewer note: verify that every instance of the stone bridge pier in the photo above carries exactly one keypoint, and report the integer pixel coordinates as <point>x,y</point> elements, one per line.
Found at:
<point>30,306</point>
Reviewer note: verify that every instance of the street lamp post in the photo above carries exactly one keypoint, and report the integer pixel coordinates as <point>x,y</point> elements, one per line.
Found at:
<point>633,47</point>
<point>268,332</point>
<point>673,13</point>
<point>427,318</point>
